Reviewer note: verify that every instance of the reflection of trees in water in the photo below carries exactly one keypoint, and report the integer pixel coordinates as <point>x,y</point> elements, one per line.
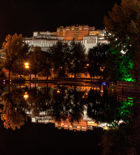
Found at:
<point>125,139</point>
<point>13,113</point>
<point>106,108</point>
<point>100,107</point>
<point>37,99</point>
<point>66,104</point>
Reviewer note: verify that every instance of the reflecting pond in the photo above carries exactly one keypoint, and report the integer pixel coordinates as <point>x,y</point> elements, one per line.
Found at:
<point>79,116</point>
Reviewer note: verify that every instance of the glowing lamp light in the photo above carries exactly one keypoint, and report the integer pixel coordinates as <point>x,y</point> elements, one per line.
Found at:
<point>26,95</point>
<point>58,91</point>
<point>105,128</point>
<point>26,65</point>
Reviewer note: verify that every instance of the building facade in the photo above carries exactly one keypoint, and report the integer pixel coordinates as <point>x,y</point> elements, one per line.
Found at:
<point>88,36</point>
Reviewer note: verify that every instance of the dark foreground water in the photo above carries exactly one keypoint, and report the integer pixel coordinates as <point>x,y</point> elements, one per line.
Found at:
<point>68,119</point>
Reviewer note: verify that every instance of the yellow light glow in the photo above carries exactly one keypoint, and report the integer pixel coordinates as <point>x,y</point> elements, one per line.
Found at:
<point>105,128</point>
<point>58,91</point>
<point>26,64</point>
<point>26,95</point>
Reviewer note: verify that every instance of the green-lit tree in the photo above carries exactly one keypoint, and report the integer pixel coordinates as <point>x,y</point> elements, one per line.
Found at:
<point>118,65</point>
<point>123,24</point>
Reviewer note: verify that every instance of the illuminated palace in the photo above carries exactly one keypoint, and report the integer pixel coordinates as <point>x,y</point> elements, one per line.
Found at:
<point>84,34</point>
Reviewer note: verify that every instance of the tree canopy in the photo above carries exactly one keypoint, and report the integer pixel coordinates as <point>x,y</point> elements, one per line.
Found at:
<point>14,48</point>
<point>123,30</point>
<point>123,23</point>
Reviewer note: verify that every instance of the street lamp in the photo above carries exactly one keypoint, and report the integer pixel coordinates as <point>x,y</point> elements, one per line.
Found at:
<point>26,65</point>
<point>26,95</point>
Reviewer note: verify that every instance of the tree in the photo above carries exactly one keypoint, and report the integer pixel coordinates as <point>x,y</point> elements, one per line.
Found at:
<point>36,104</point>
<point>35,60</point>
<point>97,58</point>
<point>77,57</point>
<point>118,65</point>
<point>2,74</point>
<point>46,63</point>
<point>19,66</point>
<point>13,113</point>
<point>60,57</point>
<point>123,25</point>
<point>14,49</point>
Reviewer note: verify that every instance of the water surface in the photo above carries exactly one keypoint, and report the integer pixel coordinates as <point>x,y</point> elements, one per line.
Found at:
<point>45,118</point>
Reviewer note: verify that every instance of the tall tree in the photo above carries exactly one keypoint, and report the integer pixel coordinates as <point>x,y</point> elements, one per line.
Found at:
<point>77,57</point>
<point>35,60</point>
<point>123,25</point>
<point>60,57</point>
<point>117,65</point>
<point>46,64</point>
<point>19,66</point>
<point>97,58</point>
<point>14,48</point>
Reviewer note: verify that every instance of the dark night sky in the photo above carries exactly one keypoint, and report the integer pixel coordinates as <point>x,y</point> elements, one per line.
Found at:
<point>26,16</point>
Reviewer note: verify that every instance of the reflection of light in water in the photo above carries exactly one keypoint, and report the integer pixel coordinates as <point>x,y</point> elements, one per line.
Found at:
<point>98,88</point>
<point>58,91</point>
<point>104,83</point>
<point>3,81</point>
<point>85,123</point>
<point>102,90</point>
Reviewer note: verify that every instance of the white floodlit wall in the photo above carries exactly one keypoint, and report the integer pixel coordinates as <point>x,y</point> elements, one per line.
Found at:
<point>46,40</point>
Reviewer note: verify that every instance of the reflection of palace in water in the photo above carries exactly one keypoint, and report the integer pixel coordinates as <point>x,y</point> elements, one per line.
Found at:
<point>84,124</point>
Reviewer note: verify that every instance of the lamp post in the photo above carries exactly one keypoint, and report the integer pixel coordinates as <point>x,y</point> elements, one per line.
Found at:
<point>26,64</point>
<point>26,95</point>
